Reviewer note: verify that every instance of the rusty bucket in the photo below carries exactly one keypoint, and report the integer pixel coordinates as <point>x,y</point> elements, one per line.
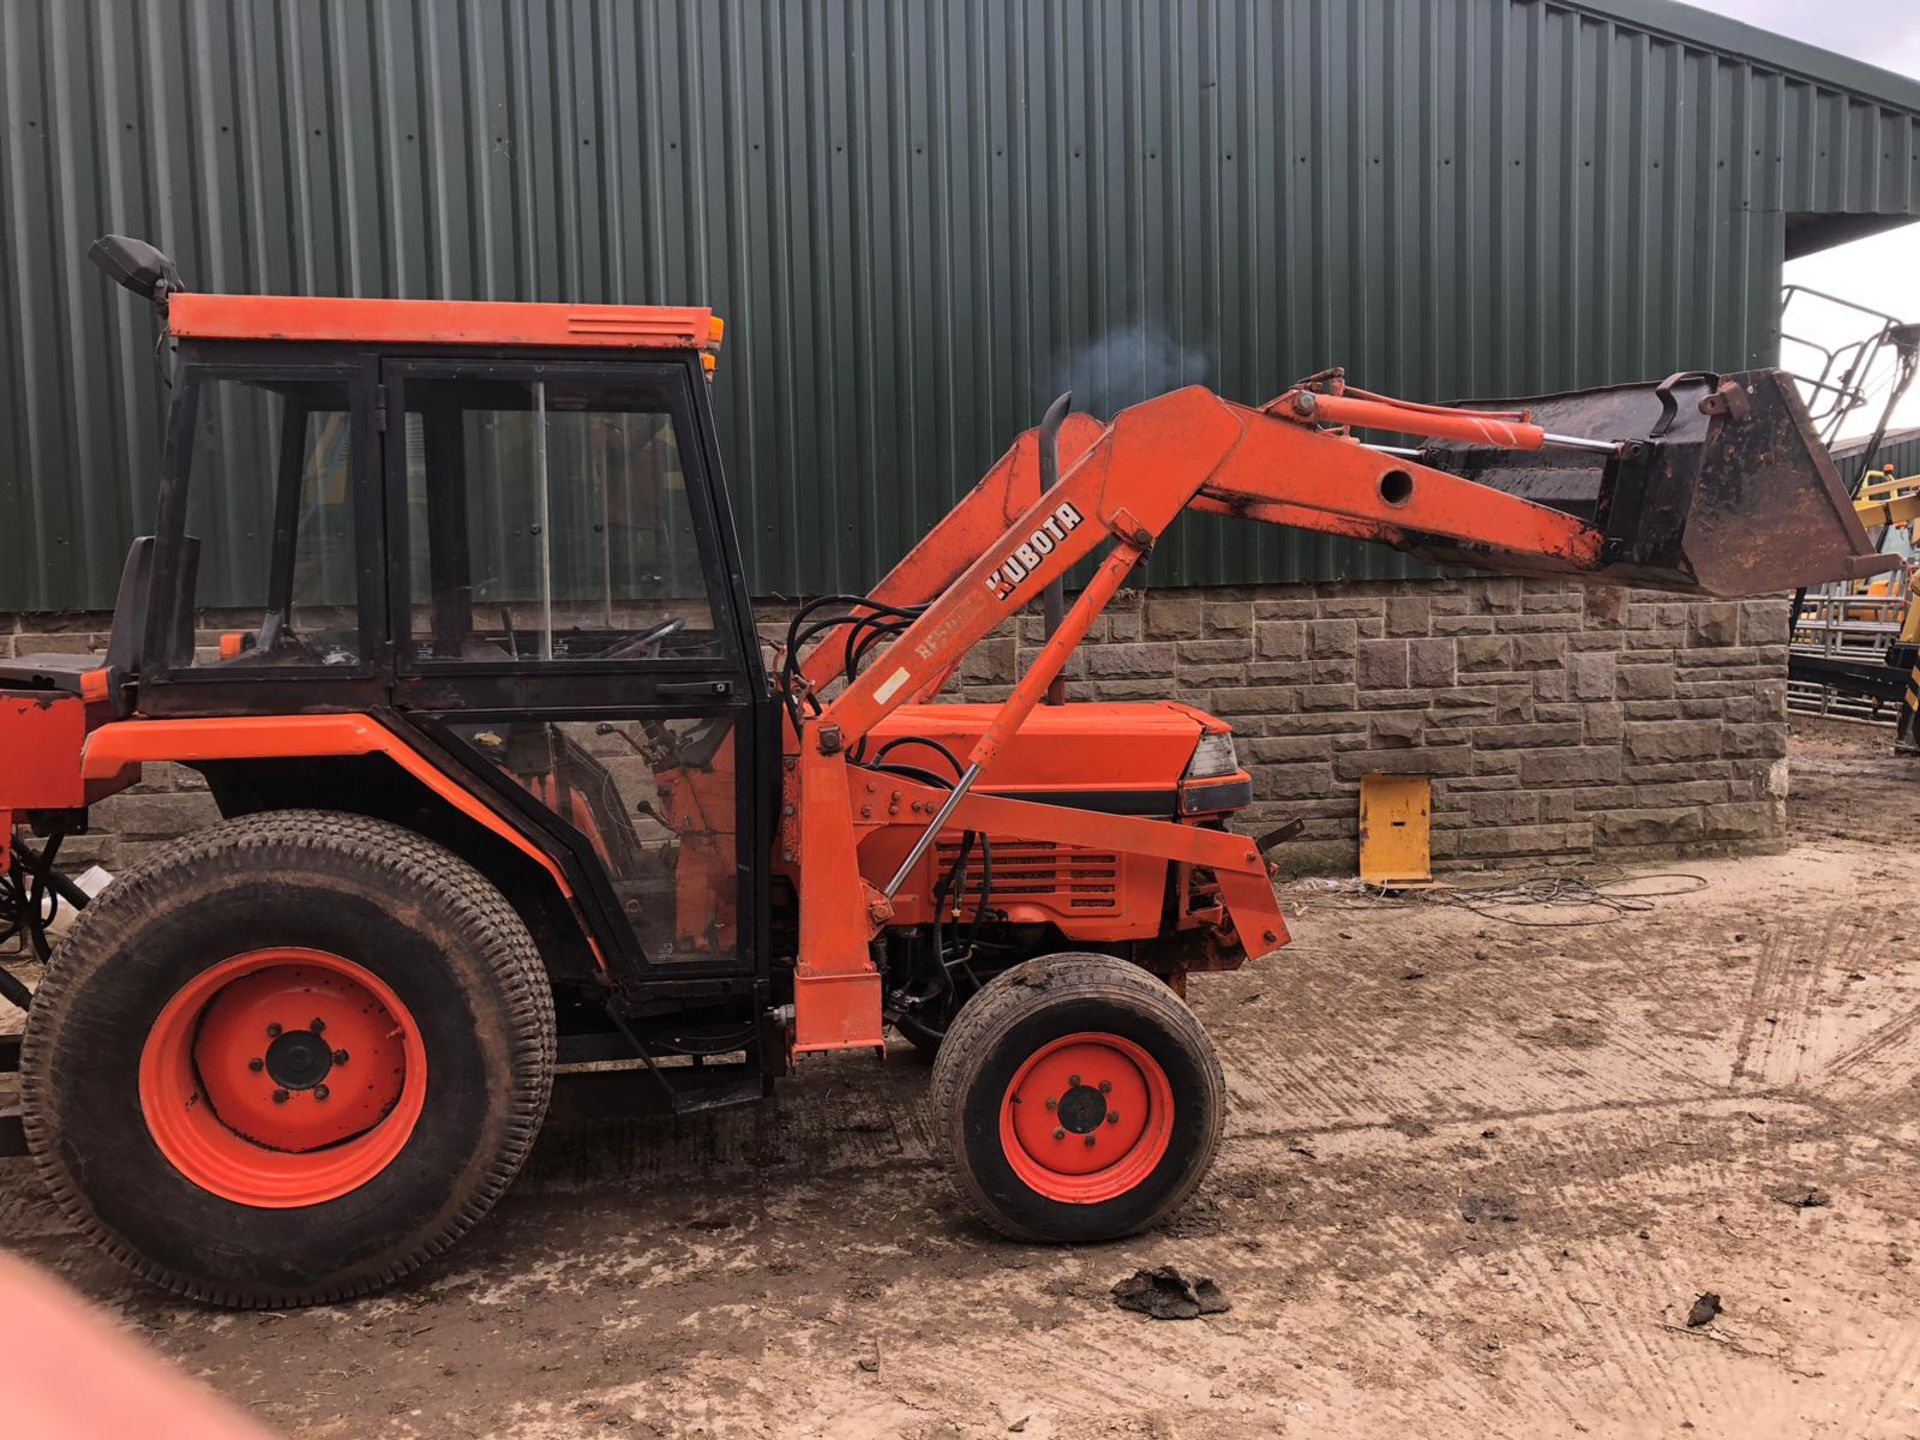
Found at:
<point>1719,485</point>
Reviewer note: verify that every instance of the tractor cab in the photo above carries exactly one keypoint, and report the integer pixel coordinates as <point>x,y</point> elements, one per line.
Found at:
<point>501,531</point>
<point>517,551</point>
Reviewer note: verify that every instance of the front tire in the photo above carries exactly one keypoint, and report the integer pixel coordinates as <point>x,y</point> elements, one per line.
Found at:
<point>1081,1100</point>
<point>288,1061</point>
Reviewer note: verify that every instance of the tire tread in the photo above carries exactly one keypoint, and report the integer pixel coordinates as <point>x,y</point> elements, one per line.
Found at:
<point>415,863</point>
<point>970,1039</point>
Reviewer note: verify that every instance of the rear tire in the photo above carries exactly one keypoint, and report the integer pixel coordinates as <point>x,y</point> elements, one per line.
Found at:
<point>1080,1098</point>
<point>245,1170</point>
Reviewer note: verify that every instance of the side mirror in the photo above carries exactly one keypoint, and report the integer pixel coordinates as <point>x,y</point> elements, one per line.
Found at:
<point>135,265</point>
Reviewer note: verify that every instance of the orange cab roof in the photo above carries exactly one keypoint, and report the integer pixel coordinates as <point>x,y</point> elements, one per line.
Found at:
<point>441,322</point>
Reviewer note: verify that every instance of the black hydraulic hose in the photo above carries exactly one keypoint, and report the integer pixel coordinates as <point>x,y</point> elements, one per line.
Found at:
<point>798,634</point>
<point>986,890</point>
<point>913,773</point>
<point>14,991</point>
<point>898,741</point>
<point>36,909</point>
<point>864,635</point>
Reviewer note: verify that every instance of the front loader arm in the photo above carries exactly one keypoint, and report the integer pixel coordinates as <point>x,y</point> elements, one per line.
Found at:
<point>981,517</point>
<point>1127,482</point>
<point>1192,448</point>
<point>1733,497</point>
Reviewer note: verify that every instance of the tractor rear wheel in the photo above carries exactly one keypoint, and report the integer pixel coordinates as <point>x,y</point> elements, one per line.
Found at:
<point>1080,1098</point>
<point>288,1060</point>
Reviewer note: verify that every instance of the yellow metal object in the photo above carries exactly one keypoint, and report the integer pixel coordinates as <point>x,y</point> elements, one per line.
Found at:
<point>1888,510</point>
<point>1396,814</point>
<point>1887,499</point>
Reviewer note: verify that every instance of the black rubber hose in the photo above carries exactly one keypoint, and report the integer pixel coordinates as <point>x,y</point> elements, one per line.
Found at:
<point>898,741</point>
<point>13,991</point>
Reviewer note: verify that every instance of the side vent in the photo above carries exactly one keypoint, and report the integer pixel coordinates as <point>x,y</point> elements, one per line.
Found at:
<point>1040,872</point>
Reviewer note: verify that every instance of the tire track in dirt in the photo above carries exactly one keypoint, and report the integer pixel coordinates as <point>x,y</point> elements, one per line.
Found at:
<point>1876,1083</point>
<point>1792,1028</point>
<point>1471,1023</point>
<point>1884,1401</point>
<point>1544,1334</point>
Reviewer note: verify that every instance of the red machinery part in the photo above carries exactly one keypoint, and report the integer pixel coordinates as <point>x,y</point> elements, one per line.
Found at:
<point>283,1078</point>
<point>1086,1118</point>
<point>41,735</point>
<point>360,320</point>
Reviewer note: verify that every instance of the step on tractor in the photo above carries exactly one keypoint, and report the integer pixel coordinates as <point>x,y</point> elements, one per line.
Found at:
<point>445,605</point>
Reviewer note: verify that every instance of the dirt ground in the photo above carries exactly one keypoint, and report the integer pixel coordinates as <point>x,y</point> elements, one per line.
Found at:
<point>1475,1176</point>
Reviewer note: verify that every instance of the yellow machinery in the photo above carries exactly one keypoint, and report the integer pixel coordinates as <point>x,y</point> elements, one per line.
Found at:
<point>1878,611</point>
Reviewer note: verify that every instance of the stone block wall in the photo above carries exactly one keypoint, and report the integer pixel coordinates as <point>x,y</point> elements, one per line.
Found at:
<point>1560,722</point>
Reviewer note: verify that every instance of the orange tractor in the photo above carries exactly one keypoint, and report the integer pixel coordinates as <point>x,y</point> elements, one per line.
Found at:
<point>446,606</point>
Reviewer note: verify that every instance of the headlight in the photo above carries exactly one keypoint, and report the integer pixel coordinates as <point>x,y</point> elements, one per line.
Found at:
<point>1212,756</point>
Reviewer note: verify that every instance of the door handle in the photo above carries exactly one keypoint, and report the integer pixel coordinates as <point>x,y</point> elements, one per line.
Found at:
<point>695,689</point>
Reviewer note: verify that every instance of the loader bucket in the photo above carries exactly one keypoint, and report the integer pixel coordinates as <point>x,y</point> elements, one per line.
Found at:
<point>1721,486</point>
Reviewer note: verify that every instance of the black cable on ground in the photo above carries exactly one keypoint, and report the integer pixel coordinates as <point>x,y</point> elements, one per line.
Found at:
<point>1550,890</point>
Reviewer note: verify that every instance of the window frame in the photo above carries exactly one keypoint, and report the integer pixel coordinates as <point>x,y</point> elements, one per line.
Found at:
<point>198,366</point>
<point>671,379</point>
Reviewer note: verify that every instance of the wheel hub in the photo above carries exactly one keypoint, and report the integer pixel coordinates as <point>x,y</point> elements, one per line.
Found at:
<point>298,1060</point>
<point>1082,1109</point>
<point>282,1077</point>
<point>298,1087</point>
<point>1086,1118</point>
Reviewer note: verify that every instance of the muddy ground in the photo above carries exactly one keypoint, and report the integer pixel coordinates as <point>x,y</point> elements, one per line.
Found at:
<point>1476,1175</point>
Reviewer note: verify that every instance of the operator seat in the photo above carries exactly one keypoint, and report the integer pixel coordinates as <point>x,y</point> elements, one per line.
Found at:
<point>62,671</point>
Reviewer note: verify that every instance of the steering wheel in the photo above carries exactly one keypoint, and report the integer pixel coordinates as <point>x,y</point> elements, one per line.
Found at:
<point>647,639</point>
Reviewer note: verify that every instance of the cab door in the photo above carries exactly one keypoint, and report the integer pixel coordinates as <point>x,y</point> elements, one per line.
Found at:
<point>571,627</point>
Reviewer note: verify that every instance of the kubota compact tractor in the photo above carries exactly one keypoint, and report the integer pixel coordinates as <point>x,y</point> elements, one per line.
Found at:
<point>445,604</point>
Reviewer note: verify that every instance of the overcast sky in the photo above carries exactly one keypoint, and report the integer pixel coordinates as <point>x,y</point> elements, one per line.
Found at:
<point>1882,32</point>
<point>1883,271</point>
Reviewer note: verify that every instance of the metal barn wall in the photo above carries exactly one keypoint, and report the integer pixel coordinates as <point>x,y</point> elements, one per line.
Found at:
<point>1904,457</point>
<point>921,220</point>
<point>1900,449</point>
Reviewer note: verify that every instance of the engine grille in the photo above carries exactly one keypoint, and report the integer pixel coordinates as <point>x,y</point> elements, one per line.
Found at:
<point>1039,872</point>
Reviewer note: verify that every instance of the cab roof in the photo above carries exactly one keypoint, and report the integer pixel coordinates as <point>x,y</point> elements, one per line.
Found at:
<point>441,322</point>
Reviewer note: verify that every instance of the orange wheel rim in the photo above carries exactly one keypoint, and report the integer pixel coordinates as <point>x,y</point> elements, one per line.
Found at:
<point>283,1077</point>
<point>1087,1118</point>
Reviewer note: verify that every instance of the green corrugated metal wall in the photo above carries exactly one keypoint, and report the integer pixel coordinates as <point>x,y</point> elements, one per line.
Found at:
<point>1904,457</point>
<point>1900,450</point>
<point>921,220</point>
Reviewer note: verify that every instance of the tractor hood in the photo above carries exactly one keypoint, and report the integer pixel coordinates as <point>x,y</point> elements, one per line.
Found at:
<point>1125,758</point>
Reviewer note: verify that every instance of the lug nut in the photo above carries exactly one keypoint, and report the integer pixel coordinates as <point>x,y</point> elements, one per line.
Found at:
<point>1052,1104</point>
<point>339,1057</point>
<point>1089,1142</point>
<point>316,1025</point>
<point>279,1097</point>
<point>1059,1134</point>
<point>256,1064</point>
<point>1106,1087</point>
<point>1113,1117</point>
<point>273,1030</point>
<point>320,1092</point>
<point>1073,1079</point>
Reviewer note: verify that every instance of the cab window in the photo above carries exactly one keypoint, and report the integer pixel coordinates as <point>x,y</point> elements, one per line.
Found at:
<point>551,520</point>
<point>268,563</point>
